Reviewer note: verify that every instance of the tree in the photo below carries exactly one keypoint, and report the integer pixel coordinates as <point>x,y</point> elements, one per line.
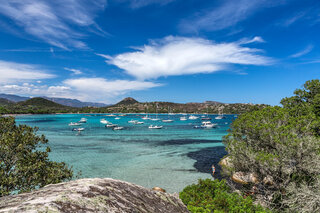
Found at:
<point>215,196</point>
<point>281,144</point>
<point>24,162</point>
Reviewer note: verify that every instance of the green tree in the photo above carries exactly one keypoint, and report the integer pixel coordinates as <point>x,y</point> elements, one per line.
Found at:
<point>24,162</point>
<point>281,145</point>
<point>215,196</point>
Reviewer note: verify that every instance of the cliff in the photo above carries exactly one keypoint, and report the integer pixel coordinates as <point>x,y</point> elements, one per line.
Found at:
<point>93,195</point>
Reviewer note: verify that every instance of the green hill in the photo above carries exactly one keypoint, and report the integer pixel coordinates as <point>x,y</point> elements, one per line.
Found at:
<point>41,102</point>
<point>4,101</point>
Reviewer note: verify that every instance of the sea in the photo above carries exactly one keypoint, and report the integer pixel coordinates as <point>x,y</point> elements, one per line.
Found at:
<point>171,158</point>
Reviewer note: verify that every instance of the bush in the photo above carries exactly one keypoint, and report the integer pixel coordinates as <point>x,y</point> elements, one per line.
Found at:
<point>24,162</point>
<point>214,196</point>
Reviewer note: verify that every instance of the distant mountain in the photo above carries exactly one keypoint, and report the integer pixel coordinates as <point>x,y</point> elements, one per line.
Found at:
<point>127,101</point>
<point>212,102</point>
<point>40,102</point>
<point>63,101</point>
<point>14,98</point>
<point>4,101</point>
<point>74,102</point>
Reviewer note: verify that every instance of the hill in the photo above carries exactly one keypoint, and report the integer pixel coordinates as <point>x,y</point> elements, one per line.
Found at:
<point>40,102</point>
<point>74,102</point>
<point>14,98</point>
<point>127,101</point>
<point>4,101</point>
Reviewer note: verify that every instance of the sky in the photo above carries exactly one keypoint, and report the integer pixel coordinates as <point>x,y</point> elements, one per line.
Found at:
<point>231,51</point>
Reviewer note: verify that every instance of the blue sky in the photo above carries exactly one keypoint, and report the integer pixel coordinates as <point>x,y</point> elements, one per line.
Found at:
<point>248,51</point>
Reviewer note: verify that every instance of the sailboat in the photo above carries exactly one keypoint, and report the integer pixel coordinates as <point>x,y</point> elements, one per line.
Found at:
<point>220,116</point>
<point>156,118</point>
<point>168,120</point>
<point>206,118</point>
<point>146,116</point>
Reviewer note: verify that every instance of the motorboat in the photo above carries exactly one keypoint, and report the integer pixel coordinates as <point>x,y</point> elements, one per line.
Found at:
<point>219,117</point>
<point>145,117</point>
<point>154,119</point>
<point>104,121</point>
<point>132,122</point>
<point>116,118</point>
<point>198,127</point>
<point>74,124</point>
<point>206,118</point>
<point>118,128</point>
<point>183,118</point>
<point>208,124</point>
<point>111,125</point>
<point>155,127</point>
<point>167,121</point>
<point>78,129</point>
<point>83,120</point>
<point>192,117</point>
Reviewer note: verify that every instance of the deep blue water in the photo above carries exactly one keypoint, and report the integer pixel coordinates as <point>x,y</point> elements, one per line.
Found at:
<point>171,158</point>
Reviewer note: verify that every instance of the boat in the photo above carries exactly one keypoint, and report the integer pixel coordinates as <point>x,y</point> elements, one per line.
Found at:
<point>145,117</point>
<point>83,120</point>
<point>116,118</point>
<point>155,127</point>
<point>104,121</point>
<point>139,122</point>
<point>74,124</point>
<point>111,115</point>
<point>167,121</point>
<point>78,129</point>
<point>118,128</point>
<point>192,117</point>
<point>156,118</point>
<point>132,121</point>
<point>198,127</point>
<point>206,118</point>
<point>111,125</point>
<point>208,124</point>
<point>183,118</point>
<point>219,117</point>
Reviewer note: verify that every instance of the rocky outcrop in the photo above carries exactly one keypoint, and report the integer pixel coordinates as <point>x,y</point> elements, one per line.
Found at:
<point>245,178</point>
<point>93,195</point>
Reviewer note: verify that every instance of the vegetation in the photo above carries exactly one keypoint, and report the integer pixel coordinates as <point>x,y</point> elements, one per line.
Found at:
<point>281,147</point>
<point>128,105</point>
<point>215,196</point>
<point>24,162</point>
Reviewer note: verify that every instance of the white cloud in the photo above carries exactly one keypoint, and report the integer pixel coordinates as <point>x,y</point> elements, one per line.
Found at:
<point>54,21</point>
<point>84,89</point>
<point>179,56</point>
<point>12,72</point>
<point>135,4</point>
<point>256,39</point>
<point>228,14</point>
<point>302,52</point>
<point>75,71</point>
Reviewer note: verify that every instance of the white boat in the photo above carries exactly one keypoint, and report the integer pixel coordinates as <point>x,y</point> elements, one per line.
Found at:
<point>132,122</point>
<point>111,115</point>
<point>118,128</point>
<point>104,121</point>
<point>139,122</point>
<point>83,120</point>
<point>167,121</point>
<point>155,127</point>
<point>111,125</point>
<point>183,118</point>
<point>74,124</point>
<point>206,118</point>
<point>116,118</point>
<point>192,117</point>
<point>154,119</point>
<point>78,129</point>
<point>145,117</point>
<point>208,124</point>
<point>219,117</point>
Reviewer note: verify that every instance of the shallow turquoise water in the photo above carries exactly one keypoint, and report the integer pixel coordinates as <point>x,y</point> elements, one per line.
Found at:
<point>171,158</point>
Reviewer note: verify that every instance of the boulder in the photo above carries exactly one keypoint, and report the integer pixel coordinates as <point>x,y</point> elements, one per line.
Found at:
<point>93,195</point>
<point>245,178</point>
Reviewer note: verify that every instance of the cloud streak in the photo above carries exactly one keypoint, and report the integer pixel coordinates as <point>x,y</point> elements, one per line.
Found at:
<point>13,72</point>
<point>228,14</point>
<point>174,56</point>
<point>303,52</point>
<point>54,22</point>
<point>136,4</point>
<point>74,71</point>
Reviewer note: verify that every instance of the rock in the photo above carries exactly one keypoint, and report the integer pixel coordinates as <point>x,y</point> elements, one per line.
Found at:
<point>158,189</point>
<point>268,180</point>
<point>226,162</point>
<point>243,178</point>
<point>93,195</point>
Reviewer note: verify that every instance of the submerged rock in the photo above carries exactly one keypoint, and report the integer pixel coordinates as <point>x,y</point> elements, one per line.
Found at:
<point>93,195</point>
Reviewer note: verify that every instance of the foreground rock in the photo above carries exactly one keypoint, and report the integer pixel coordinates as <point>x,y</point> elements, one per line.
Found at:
<point>93,195</point>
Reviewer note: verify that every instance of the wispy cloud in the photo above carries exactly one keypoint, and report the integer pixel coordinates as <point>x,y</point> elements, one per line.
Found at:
<point>228,14</point>
<point>302,52</point>
<point>54,22</point>
<point>84,89</point>
<point>75,71</point>
<point>180,56</point>
<point>13,72</point>
<point>135,4</point>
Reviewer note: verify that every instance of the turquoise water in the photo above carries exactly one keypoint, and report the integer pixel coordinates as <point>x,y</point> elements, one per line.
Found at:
<point>171,158</point>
